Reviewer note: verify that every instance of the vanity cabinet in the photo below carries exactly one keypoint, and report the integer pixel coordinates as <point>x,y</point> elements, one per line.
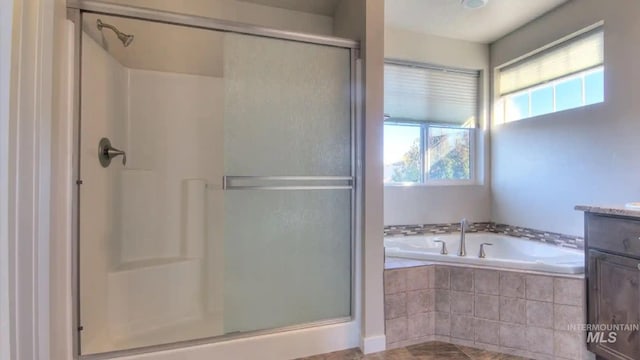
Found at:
<point>613,283</point>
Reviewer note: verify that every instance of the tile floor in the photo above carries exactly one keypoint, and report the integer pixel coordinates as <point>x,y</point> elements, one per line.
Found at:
<point>426,351</point>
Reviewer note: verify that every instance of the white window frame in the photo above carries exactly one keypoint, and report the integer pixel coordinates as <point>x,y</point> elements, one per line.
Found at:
<point>424,136</point>
<point>500,100</point>
<point>552,84</point>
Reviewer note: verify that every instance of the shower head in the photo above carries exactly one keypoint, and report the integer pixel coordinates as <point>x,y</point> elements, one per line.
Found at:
<point>125,38</point>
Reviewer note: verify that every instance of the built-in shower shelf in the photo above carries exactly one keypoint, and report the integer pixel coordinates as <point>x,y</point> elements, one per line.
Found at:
<point>204,327</point>
<point>146,296</point>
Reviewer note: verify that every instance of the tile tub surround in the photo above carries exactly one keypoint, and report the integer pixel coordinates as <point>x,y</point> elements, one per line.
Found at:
<point>508,312</point>
<point>574,242</point>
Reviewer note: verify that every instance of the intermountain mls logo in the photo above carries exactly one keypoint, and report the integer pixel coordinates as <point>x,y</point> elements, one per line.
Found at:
<point>604,333</point>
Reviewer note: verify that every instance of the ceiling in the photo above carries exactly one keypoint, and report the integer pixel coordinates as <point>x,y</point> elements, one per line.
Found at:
<point>448,18</point>
<point>319,7</point>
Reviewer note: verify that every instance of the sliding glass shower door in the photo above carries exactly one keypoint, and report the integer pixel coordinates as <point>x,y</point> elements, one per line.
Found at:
<point>216,190</point>
<point>287,148</point>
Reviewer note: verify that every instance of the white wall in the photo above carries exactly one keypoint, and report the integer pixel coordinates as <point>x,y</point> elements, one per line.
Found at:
<point>373,303</point>
<point>441,204</point>
<point>364,20</point>
<point>26,172</point>
<point>6,323</point>
<point>544,166</point>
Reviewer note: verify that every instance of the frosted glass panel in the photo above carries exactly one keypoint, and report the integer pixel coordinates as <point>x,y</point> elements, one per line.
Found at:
<point>289,257</point>
<point>287,252</point>
<point>287,108</point>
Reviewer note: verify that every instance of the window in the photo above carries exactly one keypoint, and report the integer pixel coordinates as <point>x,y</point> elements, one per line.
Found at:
<point>565,76</point>
<point>430,118</point>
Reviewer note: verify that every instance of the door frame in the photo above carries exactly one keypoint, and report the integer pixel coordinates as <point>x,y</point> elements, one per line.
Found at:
<point>7,323</point>
<point>28,36</point>
<point>350,327</point>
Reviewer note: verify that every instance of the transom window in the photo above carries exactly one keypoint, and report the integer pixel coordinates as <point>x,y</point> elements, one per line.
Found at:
<point>565,76</point>
<point>430,118</point>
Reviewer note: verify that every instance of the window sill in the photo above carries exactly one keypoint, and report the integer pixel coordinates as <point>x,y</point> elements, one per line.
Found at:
<point>443,183</point>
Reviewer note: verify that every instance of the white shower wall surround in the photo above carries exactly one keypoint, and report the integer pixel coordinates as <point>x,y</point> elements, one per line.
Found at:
<point>106,111</point>
<point>161,119</point>
<point>166,254</point>
<point>172,125</point>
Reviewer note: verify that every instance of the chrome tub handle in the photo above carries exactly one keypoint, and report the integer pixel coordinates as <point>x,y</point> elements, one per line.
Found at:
<point>482,254</point>
<point>443,251</point>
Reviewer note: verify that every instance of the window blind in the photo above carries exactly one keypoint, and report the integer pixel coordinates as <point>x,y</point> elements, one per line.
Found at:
<point>420,93</point>
<point>572,56</point>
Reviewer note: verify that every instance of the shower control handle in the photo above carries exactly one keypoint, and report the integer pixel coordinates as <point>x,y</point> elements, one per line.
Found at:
<point>113,152</point>
<point>106,152</point>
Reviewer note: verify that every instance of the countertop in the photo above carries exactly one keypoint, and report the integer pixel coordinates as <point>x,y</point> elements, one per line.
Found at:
<point>619,210</point>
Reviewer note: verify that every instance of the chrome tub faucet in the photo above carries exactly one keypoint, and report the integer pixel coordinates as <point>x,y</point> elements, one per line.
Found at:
<point>464,226</point>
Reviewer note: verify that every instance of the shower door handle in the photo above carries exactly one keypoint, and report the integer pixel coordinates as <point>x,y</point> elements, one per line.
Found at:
<point>106,152</point>
<point>285,182</point>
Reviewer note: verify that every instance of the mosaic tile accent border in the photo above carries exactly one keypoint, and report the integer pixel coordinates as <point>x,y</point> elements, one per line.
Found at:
<point>574,242</point>
<point>405,230</point>
<point>569,241</point>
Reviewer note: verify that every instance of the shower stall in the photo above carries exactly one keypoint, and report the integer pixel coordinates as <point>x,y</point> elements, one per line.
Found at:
<point>216,172</point>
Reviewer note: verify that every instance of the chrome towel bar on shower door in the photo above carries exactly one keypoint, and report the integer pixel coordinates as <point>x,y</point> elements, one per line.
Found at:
<point>271,182</point>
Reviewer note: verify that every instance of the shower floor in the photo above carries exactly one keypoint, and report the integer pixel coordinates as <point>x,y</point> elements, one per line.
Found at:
<point>188,330</point>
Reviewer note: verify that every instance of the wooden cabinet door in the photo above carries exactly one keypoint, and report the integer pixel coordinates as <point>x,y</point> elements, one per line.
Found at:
<point>614,298</point>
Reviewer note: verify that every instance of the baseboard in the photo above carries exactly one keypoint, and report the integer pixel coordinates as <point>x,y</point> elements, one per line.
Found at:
<point>373,344</point>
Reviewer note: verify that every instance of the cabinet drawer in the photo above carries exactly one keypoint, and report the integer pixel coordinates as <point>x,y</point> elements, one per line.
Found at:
<point>617,235</point>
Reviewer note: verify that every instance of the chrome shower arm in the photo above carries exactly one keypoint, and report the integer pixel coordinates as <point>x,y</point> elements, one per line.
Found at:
<point>101,25</point>
<point>125,38</point>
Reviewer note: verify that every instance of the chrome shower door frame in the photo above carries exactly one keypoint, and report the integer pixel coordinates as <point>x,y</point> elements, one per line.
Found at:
<point>75,10</point>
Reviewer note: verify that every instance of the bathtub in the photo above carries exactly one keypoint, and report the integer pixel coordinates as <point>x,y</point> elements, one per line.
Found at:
<point>507,252</point>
